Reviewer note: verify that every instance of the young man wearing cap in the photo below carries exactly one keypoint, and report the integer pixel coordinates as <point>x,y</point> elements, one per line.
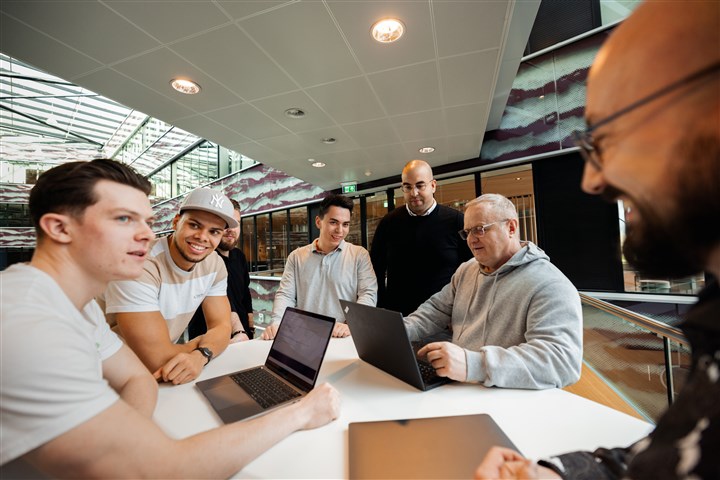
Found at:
<point>181,273</point>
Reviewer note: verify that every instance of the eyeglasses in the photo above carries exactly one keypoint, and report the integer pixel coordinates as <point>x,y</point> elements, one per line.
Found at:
<point>584,139</point>
<point>421,186</point>
<point>480,230</point>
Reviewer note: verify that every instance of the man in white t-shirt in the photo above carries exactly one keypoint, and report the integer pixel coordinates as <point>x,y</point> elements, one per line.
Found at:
<point>182,272</point>
<point>75,401</point>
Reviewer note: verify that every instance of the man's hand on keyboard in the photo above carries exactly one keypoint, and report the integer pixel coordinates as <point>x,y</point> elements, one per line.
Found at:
<point>447,359</point>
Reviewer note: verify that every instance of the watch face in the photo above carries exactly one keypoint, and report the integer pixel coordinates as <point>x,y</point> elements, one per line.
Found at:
<point>206,352</point>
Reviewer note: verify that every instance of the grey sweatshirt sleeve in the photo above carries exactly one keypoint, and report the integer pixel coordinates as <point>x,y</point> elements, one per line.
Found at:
<point>551,355</point>
<point>434,315</point>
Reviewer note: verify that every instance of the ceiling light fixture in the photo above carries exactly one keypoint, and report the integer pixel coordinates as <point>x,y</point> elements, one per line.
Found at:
<point>294,112</point>
<point>328,140</point>
<point>368,173</point>
<point>182,85</point>
<point>318,164</point>
<point>387,30</point>
<point>427,150</point>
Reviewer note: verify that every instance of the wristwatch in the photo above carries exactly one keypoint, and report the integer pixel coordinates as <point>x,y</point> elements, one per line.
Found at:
<point>207,353</point>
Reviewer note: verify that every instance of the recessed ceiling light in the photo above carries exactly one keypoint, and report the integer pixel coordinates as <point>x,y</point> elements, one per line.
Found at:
<point>368,173</point>
<point>427,150</point>
<point>318,164</point>
<point>294,112</point>
<point>388,30</point>
<point>328,140</point>
<point>182,85</point>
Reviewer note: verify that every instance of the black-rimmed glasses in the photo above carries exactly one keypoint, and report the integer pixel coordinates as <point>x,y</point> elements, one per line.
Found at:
<point>479,231</point>
<point>584,139</point>
<point>420,186</point>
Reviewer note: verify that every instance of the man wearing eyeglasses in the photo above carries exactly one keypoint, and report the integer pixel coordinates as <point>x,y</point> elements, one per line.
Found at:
<point>516,320</point>
<point>416,246</point>
<point>653,141</point>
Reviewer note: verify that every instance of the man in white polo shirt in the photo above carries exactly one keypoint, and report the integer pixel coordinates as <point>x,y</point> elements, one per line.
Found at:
<point>181,273</point>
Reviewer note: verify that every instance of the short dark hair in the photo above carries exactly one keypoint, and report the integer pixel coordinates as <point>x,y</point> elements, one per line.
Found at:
<point>70,188</point>
<point>335,200</point>
<point>235,204</point>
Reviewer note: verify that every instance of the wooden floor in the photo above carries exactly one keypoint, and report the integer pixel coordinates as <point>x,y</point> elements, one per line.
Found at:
<point>594,388</point>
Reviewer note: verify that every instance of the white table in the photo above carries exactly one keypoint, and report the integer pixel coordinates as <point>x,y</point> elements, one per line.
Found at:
<point>539,422</point>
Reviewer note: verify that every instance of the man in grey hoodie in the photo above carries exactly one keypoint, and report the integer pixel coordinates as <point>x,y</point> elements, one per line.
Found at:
<point>516,320</point>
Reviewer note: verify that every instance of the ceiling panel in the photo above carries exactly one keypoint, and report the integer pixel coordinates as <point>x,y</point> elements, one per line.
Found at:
<point>276,106</point>
<point>107,38</point>
<point>348,101</point>
<point>156,69</point>
<point>408,89</point>
<point>356,17</point>
<point>188,17</point>
<point>242,67</point>
<point>303,39</point>
<point>470,26</point>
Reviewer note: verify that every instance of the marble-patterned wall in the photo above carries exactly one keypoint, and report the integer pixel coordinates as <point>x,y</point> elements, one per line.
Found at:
<point>257,189</point>
<point>546,104</point>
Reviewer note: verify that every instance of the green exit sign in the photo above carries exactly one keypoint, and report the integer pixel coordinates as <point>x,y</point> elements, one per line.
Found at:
<point>349,187</point>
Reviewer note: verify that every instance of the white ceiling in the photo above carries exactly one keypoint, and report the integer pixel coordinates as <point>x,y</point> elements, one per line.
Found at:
<point>443,84</point>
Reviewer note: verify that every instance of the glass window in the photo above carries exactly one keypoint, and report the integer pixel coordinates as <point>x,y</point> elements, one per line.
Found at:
<point>354,235</point>
<point>278,249</point>
<point>516,184</point>
<point>455,192</point>
<point>451,192</point>
<point>299,235</point>
<point>377,206</point>
<point>263,241</point>
<point>247,226</point>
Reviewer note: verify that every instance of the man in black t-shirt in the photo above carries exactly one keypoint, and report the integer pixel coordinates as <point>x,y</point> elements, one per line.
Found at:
<point>238,289</point>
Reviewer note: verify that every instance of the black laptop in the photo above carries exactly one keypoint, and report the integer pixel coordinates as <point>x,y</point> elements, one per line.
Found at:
<point>439,447</point>
<point>381,340</point>
<point>290,371</point>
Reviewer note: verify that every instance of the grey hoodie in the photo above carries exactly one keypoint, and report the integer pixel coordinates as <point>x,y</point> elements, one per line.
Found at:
<point>520,326</point>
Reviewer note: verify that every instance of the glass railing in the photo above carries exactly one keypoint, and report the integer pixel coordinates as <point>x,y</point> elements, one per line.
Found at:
<point>644,361</point>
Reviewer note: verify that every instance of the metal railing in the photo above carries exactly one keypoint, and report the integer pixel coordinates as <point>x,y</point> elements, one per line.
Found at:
<point>622,346</point>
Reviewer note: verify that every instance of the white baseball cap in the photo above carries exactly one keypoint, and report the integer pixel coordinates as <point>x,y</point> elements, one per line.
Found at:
<point>212,201</point>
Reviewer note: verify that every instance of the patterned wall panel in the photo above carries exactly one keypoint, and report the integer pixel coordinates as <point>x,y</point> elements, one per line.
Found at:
<point>257,189</point>
<point>18,237</point>
<point>546,103</point>
<point>14,192</point>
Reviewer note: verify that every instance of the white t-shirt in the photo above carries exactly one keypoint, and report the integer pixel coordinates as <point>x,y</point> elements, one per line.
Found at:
<point>51,358</point>
<point>165,287</point>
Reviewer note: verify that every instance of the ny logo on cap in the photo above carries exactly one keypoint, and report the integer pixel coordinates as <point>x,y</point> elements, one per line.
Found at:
<point>217,200</point>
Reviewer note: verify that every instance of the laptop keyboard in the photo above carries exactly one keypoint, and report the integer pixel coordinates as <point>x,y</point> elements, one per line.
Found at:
<point>427,372</point>
<point>263,387</point>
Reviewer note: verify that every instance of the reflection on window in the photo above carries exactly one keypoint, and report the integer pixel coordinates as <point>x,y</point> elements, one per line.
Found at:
<point>197,168</point>
<point>247,233</point>
<point>299,234</point>
<point>516,184</point>
<point>278,249</point>
<point>263,241</point>
<point>354,235</point>
<point>377,208</point>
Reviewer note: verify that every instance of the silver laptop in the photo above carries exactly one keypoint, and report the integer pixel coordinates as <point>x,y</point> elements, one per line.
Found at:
<point>440,447</point>
<point>381,340</point>
<point>289,373</point>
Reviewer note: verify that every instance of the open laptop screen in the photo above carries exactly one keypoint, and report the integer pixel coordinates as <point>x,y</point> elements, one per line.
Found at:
<point>300,345</point>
